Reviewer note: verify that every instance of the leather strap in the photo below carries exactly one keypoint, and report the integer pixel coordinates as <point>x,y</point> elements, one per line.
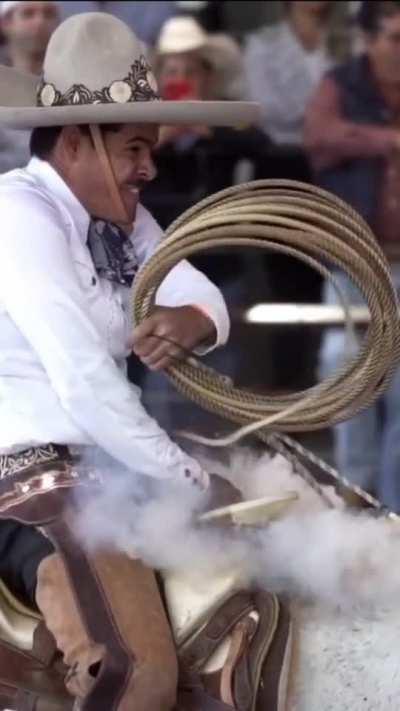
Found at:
<point>240,639</point>
<point>109,175</point>
<point>264,670</point>
<point>195,652</point>
<point>116,668</point>
<point>257,668</point>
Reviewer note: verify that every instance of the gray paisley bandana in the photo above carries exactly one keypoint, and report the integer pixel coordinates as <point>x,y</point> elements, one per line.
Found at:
<point>112,252</point>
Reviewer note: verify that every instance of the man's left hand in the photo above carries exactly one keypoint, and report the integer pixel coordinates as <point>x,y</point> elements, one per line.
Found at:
<point>169,333</point>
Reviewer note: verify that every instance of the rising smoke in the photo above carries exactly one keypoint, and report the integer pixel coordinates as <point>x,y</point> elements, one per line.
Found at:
<point>334,556</point>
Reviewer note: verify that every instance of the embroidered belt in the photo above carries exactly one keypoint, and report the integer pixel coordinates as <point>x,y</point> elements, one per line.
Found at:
<point>31,482</point>
<point>11,464</point>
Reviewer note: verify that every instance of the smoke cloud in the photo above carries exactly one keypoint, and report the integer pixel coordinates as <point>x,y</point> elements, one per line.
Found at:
<point>334,556</point>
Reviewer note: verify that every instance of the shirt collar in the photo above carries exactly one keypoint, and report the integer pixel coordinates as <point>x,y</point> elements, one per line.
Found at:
<point>54,183</point>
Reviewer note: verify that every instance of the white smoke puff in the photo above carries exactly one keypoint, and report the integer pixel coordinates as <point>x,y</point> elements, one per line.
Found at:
<point>161,531</point>
<point>265,475</point>
<point>168,538</point>
<point>339,558</point>
<point>334,556</point>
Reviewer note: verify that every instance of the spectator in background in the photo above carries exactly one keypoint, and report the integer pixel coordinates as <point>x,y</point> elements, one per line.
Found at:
<point>284,63</point>
<point>146,18</point>
<point>27,27</point>
<point>352,133</point>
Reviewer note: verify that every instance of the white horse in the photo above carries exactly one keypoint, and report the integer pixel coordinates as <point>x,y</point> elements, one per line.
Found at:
<point>342,573</point>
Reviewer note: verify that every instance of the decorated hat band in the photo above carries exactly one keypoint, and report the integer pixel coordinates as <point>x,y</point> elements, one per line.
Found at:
<point>139,85</point>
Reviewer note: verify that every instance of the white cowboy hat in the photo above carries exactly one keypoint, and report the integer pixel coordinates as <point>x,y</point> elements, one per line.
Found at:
<point>95,72</point>
<point>184,34</point>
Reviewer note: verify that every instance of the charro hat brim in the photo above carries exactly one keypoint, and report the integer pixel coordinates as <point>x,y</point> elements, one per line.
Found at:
<point>95,71</point>
<point>18,108</point>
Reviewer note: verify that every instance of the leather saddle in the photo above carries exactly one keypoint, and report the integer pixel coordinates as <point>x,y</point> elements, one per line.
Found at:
<point>240,657</point>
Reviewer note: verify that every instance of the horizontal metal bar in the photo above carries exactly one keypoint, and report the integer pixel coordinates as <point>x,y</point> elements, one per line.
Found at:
<point>304,314</point>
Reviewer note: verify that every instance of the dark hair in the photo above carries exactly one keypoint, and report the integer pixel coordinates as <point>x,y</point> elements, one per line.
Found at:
<point>372,12</point>
<point>44,138</point>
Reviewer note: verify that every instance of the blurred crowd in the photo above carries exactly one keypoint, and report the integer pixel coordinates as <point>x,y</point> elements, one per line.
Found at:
<point>327,76</point>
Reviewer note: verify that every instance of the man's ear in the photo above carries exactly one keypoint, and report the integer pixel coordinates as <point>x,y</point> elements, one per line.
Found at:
<point>70,143</point>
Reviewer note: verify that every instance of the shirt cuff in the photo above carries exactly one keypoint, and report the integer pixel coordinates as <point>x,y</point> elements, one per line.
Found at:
<point>220,339</point>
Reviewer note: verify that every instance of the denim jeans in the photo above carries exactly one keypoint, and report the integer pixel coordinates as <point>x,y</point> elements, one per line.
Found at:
<point>367,447</point>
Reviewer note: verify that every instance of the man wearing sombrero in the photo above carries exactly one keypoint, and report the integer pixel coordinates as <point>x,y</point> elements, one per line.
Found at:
<point>73,236</point>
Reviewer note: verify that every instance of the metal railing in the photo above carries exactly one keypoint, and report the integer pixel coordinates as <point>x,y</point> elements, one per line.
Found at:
<point>304,314</point>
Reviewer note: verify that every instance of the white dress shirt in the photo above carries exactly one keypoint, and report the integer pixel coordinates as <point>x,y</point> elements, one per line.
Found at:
<point>64,330</point>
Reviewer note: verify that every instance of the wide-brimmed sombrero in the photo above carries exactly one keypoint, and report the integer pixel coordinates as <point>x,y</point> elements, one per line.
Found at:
<point>95,72</point>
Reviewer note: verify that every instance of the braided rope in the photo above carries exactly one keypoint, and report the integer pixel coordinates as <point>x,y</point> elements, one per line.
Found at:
<point>295,452</point>
<point>320,229</point>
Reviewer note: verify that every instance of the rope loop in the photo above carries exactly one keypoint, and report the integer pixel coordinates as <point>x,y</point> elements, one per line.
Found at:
<point>318,228</point>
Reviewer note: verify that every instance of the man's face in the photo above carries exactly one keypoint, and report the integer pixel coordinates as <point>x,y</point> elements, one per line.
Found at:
<point>184,77</point>
<point>130,152</point>
<point>384,49</point>
<point>30,25</point>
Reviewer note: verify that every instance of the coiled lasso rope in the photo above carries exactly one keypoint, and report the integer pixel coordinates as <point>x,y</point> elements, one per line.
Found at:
<point>319,229</point>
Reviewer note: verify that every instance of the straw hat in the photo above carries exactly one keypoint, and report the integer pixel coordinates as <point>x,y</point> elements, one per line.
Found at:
<point>184,34</point>
<point>95,72</point>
